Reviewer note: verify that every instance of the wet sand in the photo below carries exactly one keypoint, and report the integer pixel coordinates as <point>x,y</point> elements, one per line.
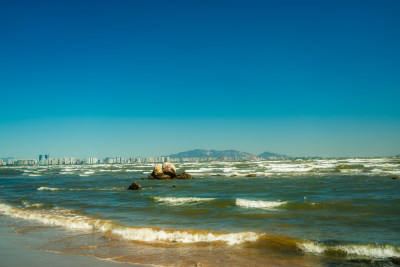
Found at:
<point>14,253</point>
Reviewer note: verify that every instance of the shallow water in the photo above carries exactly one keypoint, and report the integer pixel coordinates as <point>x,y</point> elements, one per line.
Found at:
<point>294,212</point>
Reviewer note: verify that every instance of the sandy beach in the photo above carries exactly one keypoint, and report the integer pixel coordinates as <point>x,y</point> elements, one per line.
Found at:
<point>14,253</point>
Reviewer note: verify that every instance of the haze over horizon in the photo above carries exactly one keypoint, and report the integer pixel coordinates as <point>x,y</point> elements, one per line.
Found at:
<point>150,78</point>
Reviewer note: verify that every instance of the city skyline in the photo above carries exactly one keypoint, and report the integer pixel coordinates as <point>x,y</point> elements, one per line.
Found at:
<point>99,78</point>
<point>133,157</point>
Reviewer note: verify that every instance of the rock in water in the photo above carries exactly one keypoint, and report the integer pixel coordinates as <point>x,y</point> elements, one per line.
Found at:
<point>183,175</point>
<point>135,186</point>
<point>164,177</point>
<point>158,170</point>
<point>169,169</point>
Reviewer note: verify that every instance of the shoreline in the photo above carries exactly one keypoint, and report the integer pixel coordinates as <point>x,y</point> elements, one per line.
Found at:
<point>13,253</point>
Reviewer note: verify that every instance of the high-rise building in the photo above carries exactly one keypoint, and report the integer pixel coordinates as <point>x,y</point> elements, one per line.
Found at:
<point>91,160</point>
<point>109,160</point>
<point>46,157</point>
<point>41,157</point>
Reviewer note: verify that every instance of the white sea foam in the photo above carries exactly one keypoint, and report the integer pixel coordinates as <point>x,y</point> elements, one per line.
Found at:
<point>71,220</point>
<point>285,168</point>
<point>245,203</point>
<point>81,189</point>
<point>373,251</point>
<point>363,250</point>
<point>68,170</point>
<point>110,189</point>
<point>312,247</point>
<point>231,169</point>
<point>201,170</point>
<point>28,204</point>
<point>149,234</point>
<point>48,188</point>
<point>174,201</point>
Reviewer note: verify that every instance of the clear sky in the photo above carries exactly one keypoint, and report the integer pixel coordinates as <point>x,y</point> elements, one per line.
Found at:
<point>146,78</point>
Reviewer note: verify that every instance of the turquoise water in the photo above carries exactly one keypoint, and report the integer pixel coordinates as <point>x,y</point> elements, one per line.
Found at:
<point>319,212</point>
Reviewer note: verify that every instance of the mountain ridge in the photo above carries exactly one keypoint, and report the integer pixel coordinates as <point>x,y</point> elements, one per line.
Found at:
<point>211,153</point>
<point>268,155</point>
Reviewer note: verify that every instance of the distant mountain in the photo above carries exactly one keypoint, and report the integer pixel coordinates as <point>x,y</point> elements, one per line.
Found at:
<point>202,153</point>
<point>268,155</point>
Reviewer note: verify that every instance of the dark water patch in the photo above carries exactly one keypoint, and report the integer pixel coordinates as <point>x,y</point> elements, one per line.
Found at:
<point>8,172</point>
<point>343,206</point>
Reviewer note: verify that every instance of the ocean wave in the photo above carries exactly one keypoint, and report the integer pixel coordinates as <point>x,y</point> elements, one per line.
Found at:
<point>135,170</point>
<point>201,170</point>
<point>28,204</point>
<point>48,188</point>
<point>81,189</point>
<point>87,173</point>
<point>362,250</point>
<point>245,203</point>
<point>10,172</point>
<point>174,201</point>
<point>71,220</point>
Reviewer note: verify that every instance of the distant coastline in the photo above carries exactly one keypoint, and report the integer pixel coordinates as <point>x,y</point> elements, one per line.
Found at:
<point>196,155</point>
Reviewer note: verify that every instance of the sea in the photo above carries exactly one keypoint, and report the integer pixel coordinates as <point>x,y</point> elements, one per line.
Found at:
<point>283,212</point>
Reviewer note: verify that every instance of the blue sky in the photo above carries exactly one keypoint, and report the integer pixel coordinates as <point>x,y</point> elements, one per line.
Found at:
<point>98,78</point>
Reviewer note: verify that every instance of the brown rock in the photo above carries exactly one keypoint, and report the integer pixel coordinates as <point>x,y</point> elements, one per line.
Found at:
<point>168,172</point>
<point>135,186</point>
<point>163,177</point>
<point>158,170</point>
<point>169,169</point>
<point>183,175</point>
<point>251,175</point>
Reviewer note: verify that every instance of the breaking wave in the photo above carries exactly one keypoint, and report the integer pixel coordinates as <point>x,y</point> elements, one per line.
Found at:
<point>28,204</point>
<point>361,250</point>
<point>181,200</point>
<point>245,203</point>
<point>48,188</point>
<point>42,188</point>
<point>71,220</point>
